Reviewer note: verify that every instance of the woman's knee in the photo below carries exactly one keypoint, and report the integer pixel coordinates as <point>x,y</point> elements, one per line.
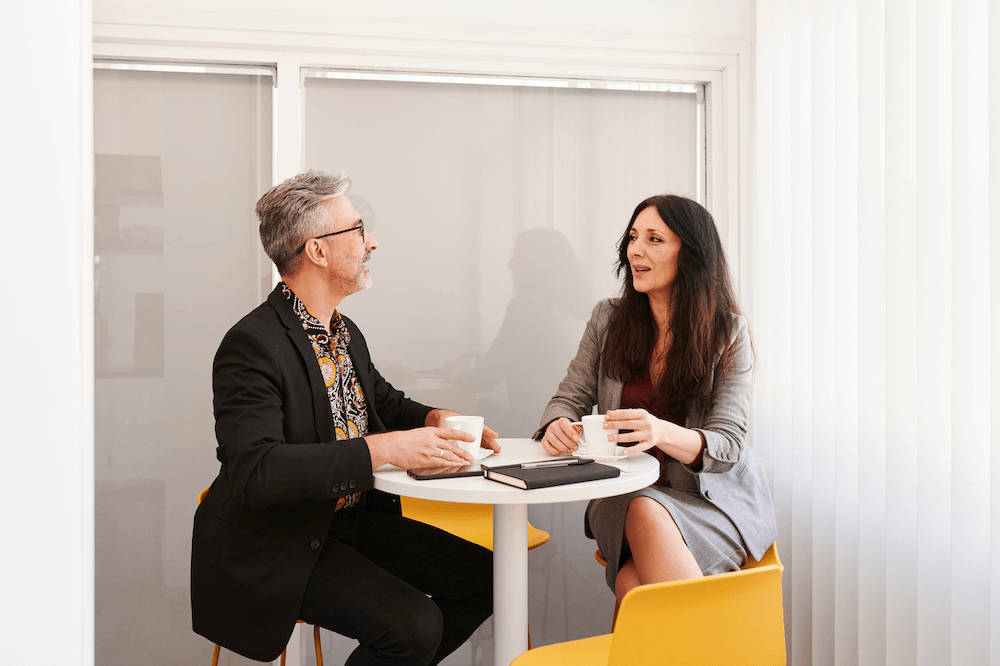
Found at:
<point>643,510</point>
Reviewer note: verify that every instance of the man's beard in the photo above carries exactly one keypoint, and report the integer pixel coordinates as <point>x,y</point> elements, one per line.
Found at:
<point>364,279</point>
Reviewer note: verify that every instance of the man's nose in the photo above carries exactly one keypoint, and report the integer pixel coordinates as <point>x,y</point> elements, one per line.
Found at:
<point>372,243</point>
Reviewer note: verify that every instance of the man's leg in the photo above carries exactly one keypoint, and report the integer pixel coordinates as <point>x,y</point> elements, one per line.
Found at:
<point>394,622</point>
<point>457,575</point>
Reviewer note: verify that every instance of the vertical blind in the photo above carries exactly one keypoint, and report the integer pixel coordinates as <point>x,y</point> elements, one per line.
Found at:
<point>877,319</point>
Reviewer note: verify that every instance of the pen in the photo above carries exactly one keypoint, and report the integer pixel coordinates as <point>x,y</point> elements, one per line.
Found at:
<point>553,463</point>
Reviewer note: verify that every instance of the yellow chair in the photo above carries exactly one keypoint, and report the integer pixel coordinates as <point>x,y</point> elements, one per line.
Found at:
<point>316,641</point>
<point>472,522</point>
<point>722,620</point>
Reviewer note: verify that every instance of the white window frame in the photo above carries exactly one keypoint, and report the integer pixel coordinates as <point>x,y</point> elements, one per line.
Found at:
<point>723,67</point>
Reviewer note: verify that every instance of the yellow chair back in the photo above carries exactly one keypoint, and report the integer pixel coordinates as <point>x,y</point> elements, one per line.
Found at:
<point>732,618</point>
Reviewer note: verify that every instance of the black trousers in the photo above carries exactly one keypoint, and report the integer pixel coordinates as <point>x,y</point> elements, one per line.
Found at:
<point>408,592</point>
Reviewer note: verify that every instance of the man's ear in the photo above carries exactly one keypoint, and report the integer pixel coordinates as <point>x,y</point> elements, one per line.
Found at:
<point>316,252</point>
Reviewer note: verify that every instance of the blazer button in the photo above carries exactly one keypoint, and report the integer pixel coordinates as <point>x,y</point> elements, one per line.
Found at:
<point>335,488</point>
<point>343,485</point>
<point>352,484</point>
<point>314,544</point>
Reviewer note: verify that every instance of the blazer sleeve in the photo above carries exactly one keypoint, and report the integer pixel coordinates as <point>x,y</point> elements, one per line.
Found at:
<point>724,424</point>
<point>266,428</point>
<point>577,392</point>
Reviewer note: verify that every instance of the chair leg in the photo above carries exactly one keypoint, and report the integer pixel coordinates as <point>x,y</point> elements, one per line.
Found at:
<point>283,656</point>
<point>529,636</point>
<point>215,655</point>
<point>319,647</point>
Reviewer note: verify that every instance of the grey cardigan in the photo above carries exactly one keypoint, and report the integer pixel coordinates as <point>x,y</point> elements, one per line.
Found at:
<point>731,476</point>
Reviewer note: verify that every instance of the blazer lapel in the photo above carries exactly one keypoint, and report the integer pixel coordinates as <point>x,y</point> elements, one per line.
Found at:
<point>321,401</point>
<point>361,361</point>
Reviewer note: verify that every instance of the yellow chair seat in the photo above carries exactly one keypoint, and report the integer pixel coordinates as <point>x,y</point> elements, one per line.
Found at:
<point>730,618</point>
<point>472,522</point>
<point>592,651</point>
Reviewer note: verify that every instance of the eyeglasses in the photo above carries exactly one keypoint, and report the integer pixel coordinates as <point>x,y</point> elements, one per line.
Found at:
<point>360,227</point>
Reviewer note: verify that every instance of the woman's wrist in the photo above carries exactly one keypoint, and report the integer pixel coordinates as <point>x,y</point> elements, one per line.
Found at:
<point>684,444</point>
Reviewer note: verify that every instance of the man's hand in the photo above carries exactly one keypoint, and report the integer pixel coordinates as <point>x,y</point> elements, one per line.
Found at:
<point>435,419</point>
<point>418,448</point>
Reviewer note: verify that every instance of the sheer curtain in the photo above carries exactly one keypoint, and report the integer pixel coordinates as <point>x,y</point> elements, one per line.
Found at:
<point>497,209</point>
<point>877,313</point>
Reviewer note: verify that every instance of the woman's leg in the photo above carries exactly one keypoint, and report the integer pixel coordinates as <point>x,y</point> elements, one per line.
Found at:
<point>626,579</point>
<point>659,553</point>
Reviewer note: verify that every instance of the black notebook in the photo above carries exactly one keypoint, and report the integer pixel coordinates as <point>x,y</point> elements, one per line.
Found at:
<point>545,473</point>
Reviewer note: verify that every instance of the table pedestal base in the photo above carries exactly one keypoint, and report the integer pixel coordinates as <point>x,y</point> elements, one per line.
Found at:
<point>510,582</point>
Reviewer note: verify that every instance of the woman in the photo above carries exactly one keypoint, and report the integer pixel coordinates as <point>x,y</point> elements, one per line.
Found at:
<point>672,362</point>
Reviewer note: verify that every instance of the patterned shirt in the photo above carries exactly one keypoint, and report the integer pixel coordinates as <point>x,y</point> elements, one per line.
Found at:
<point>347,402</point>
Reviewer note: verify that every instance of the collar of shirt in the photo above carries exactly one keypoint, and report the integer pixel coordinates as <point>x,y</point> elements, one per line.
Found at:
<point>312,326</point>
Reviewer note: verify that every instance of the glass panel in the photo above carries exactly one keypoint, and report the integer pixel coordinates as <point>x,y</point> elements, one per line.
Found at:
<point>497,210</point>
<point>180,161</point>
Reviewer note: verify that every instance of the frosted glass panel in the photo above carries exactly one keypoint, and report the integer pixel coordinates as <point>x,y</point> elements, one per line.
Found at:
<point>497,210</point>
<point>457,182</point>
<point>180,160</point>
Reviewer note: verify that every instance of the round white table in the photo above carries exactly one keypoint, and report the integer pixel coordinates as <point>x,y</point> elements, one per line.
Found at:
<point>510,523</point>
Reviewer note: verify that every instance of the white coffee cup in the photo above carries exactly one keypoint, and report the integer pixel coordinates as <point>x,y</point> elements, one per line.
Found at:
<point>595,435</point>
<point>470,424</point>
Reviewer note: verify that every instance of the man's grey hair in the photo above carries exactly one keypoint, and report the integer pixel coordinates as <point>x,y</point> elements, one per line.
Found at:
<point>290,214</point>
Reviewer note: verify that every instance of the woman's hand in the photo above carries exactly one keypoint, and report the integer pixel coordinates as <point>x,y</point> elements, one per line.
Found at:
<point>648,431</point>
<point>561,437</point>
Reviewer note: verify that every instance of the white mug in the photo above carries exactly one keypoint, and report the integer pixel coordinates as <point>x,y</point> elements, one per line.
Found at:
<point>595,435</point>
<point>470,424</point>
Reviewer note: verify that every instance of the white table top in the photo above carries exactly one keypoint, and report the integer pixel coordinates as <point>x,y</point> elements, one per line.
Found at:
<point>638,471</point>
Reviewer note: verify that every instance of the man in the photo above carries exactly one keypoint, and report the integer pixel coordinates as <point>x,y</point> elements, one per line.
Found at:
<point>292,528</point>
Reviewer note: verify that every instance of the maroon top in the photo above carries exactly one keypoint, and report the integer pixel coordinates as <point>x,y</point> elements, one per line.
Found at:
<point>639,394</point>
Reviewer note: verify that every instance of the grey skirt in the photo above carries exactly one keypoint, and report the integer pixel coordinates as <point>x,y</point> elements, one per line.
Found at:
<point>709,534</point>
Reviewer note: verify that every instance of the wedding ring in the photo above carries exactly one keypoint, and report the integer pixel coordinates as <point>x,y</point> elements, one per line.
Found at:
<point>442,454</point>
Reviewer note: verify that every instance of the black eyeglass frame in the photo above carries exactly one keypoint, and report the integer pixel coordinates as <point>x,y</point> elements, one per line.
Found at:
<point>360,227</point>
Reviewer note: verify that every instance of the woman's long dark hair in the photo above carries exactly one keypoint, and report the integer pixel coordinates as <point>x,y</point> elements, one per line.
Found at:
<point>702,301</point>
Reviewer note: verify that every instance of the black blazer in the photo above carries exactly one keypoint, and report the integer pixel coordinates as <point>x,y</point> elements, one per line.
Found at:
<point>260,528</point>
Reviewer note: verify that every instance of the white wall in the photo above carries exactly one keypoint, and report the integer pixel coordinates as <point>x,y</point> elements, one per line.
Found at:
<point>46,342</point>
<point>551,22</point>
